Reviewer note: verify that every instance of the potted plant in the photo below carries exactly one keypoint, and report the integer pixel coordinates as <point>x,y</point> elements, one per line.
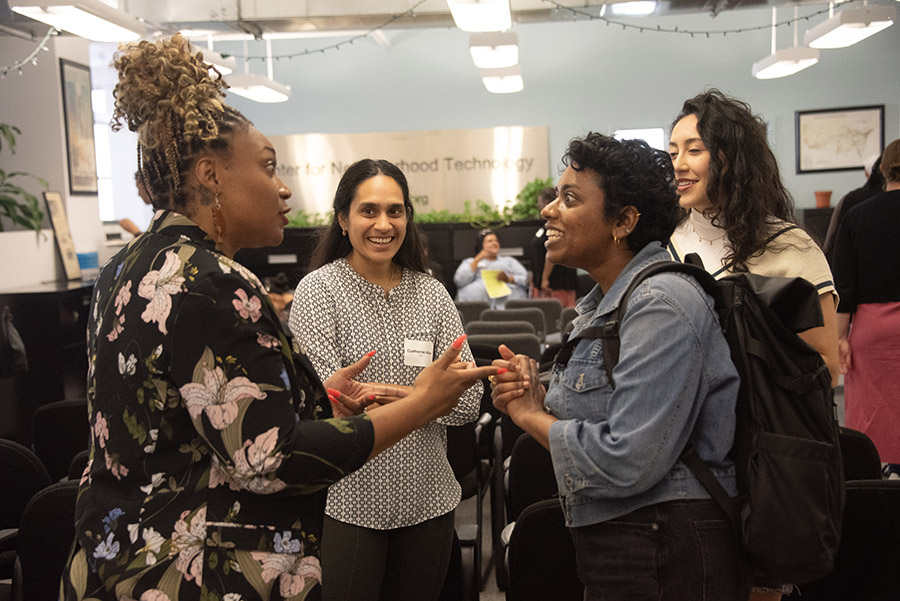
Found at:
<point>16,203</point>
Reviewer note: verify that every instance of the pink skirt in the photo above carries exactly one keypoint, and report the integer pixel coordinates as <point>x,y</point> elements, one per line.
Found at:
<point>872,385</point>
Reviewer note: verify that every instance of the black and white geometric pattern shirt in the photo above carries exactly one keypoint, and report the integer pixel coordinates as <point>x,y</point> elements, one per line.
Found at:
<point>339,316</point>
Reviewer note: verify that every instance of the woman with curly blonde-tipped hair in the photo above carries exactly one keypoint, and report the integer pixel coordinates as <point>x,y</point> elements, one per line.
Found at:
<point>212,443</point>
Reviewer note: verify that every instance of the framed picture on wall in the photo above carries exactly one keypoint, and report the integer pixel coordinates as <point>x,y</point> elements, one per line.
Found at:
<point>64,242</point>
<point>838,139</point>
<point>79,118</point>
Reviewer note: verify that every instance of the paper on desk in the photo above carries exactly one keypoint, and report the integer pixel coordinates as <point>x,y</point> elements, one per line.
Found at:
<point>495,288</point>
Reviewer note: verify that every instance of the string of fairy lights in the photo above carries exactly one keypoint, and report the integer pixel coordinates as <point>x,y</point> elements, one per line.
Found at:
<point>31,58</point>
<point>584,13</point>
<point>576,12</point>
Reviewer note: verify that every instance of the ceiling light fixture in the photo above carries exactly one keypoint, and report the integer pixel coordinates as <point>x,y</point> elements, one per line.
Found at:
<point>481,15</point>
<point>90,19</point>
<point>781,63</point>
<point>849,26</point>
<point>503,81</point>
<point>224,65</point>
<point>494,50</point>
<point>259,88</point>
<point>636,8</point>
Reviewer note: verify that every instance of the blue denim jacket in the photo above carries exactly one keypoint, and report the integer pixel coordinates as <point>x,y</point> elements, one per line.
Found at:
<point>615,451</point>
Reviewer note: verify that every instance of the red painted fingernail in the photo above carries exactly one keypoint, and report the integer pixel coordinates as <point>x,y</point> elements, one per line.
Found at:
<point>370,353</point>
<point>371,397</point>
<point>457,344</point>
<point>502,370</point>
<point>332,399</point>
<point>334,393</point>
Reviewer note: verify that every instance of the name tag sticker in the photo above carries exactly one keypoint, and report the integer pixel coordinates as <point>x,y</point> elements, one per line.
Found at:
<point>418,353</point>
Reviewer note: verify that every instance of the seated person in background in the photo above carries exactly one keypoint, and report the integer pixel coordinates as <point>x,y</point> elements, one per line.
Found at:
<point>468,280</point>
<point>281,293</point>
<point>548,279</point>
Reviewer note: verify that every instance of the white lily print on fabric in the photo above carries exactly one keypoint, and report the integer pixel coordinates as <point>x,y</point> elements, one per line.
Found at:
<point>158,286</point>
<point>153,542</point>
<point>292,570</point>
<point>218,396</point>
<point>255,460</point>
<point>187,542</point>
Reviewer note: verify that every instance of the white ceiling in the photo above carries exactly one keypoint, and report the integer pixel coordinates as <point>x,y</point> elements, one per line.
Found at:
<point>316,17</point>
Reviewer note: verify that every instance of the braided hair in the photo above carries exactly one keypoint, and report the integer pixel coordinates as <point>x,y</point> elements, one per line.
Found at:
<point>168,95</point>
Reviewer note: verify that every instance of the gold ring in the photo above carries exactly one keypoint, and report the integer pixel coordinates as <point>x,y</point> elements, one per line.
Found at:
<point>491,378</point>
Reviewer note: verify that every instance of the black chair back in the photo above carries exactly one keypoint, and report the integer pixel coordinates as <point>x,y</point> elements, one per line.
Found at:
<point>541,556</point>
<point>60,431</point>
<point>45,540</point>
<point>21,476</point>
<point>565,318</point>
<point>551,308</point>
<point>861,460</point>
<point>530,477</point>
<point>484,346</point>
<point>530,314</point>
<point>865,568</point>
<point>499,327</point>
<point>470,310</point>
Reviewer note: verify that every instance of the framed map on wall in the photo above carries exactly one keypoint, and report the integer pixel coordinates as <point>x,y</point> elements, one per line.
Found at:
<point>838,139</point>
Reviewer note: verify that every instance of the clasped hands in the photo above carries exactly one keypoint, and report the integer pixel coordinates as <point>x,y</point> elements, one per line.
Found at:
<point>517,390</point>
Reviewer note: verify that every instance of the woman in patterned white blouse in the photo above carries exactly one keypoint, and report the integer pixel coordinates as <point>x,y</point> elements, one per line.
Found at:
<point>389,527</point>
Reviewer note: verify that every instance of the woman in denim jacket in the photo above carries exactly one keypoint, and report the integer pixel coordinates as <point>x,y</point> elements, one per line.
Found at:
<point>643,525</point>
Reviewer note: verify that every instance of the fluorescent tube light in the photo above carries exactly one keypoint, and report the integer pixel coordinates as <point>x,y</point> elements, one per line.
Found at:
<point>258,87</point>
<point>481,15</point>
<point>503,81</point>
<point>494,50</point>
<point>637,8</point>
<point>785,62</point>
<point>849,26</point>
<point>90,19</point>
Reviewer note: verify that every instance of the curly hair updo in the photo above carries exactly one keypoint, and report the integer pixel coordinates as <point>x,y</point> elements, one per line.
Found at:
<point>167,95</point>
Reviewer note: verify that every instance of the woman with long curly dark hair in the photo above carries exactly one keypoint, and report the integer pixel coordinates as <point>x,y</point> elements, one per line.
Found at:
<point>739,217</point>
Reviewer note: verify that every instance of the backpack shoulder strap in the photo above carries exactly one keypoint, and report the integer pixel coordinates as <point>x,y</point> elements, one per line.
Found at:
<point>609,332</point>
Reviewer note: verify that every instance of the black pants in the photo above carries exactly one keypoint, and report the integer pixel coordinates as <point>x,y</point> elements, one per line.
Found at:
<point>403,564</point>
<point>673,551</point>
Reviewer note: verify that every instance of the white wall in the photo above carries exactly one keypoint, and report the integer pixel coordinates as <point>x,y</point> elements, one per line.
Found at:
<point>579,76</point>
<point>33,102</point>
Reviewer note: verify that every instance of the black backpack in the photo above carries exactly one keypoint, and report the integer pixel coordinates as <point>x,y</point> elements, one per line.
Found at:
<point>786,449</point>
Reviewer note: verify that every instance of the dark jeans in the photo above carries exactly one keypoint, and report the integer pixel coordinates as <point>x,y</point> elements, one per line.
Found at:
<point>673,551</point>
<point>403,564</point>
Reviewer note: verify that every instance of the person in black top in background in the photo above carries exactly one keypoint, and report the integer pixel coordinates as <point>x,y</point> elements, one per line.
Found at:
<point>549,280</point>
<point>874,185</point>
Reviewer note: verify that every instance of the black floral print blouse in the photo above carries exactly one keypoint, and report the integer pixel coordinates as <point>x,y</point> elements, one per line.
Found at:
<point>209,463</point>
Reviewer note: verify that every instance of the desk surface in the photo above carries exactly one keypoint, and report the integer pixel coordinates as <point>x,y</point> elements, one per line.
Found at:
<point>49,287</point>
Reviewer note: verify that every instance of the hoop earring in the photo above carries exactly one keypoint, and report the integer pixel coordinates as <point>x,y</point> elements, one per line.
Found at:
<point>616,238</point>
<point>217,214</point>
